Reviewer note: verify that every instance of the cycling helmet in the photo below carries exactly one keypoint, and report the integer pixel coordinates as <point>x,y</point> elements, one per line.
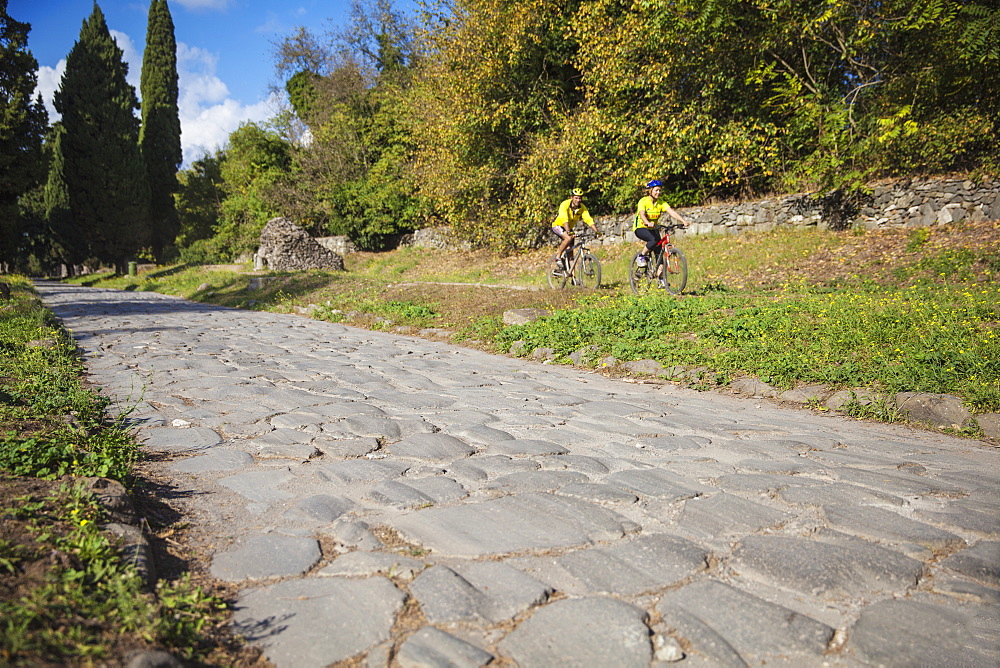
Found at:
<point>577,191</point>
<point>654,183</point>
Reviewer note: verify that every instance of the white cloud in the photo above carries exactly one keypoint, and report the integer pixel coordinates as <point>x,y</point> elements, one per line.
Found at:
<point>208,114</point>
<point>49,79</point>
<point>198,5</point>
<point>130,56</point>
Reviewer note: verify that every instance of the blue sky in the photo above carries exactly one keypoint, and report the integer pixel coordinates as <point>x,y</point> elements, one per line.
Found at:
<point>225,52</point>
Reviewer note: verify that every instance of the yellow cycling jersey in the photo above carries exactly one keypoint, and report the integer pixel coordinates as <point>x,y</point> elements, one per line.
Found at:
<point>567,217</point>
<point>653,211</point>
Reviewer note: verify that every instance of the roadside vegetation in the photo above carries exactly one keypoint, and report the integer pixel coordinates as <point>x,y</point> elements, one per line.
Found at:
<point>67,596</point>
<point>890,311</point>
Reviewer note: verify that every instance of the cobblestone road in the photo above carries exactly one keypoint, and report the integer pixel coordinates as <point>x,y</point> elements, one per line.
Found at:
<point>399,501</point>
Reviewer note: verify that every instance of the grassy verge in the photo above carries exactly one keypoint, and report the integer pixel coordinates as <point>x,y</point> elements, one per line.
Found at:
<point>66,594</point>
<point>897,310</point>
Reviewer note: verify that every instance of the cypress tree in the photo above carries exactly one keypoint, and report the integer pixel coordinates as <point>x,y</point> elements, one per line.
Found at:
<point>22,126</point>
<point>101,164</point>
<point>160,136</point>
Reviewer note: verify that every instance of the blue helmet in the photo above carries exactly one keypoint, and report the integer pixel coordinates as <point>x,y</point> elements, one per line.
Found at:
<point>654,183</point>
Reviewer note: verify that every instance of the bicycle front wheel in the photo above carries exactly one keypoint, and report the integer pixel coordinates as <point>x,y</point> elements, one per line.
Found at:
<point>557,275</point>
<point>675,274</point>
<point>588,271</point>
<point>641,278</point>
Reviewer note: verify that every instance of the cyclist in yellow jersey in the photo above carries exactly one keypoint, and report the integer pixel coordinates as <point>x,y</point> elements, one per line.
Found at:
<point>647,213</point>
<point>571,212</point>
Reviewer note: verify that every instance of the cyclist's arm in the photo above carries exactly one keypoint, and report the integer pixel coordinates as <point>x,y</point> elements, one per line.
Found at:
<point>676,216</point>
<point>587,218</point>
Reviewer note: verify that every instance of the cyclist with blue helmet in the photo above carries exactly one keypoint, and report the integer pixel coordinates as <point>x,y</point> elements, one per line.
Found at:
<point>647,213</point>
<point>571,212</point>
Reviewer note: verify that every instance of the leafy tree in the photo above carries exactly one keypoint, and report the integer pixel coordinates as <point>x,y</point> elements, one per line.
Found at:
<point>160,135</point>
<point>351,176</point>
<point>257,159</point>
<point>102,167</point>
<point>22,124</point>
<point>199,199</point>
<point>500,81</point>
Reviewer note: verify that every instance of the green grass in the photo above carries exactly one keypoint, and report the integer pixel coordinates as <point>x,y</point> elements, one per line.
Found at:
<point>67,596</point>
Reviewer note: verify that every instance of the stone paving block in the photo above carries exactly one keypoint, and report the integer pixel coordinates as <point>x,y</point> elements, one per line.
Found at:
<point>589,466</point>
<point>837,493</point>
<point>363,563</point>
<point>666,444</point>
<point>980,562</point>
<point>730,627</point>
<point>431,448</point>
<point>320,507</point>
<point>298,421</point>
<point>480,434</point>
<point>365,425</point>
<point>485,467</point>
<point>440,489</point>
<point>523,447</point>
<point>348,448</point>
<point>896,483</point>
<point>216,459</point>
<point>959,517</point>
<point>397,494</point>
<point>511,524</point>
<point>361,470</point>
<point>535,481</point>
<point>724,515</point>
<point>919,633</point>
<point>597,493</point>
<point>657,483</point>
<point>826,570</point>
<point>261,486</point>
<point>761,483</point>
<point>355,534</point>
<point>642,565</point>
<point>965,590</point>
<point>882,525</point>
<point>174,440</point>
<point>283,437</point>
<point>593,631</point>
<point>261,557</point>
<point>487,591</point>
<point>343,409</point>
<point>317,621</point>
<point>797,466</point>
<point>433,648</point>
<point>295,451</point>
<point>615,409</point>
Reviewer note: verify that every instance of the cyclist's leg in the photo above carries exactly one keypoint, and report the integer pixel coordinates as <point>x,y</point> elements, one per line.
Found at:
<point>565,248</point>
<point>650,236</point>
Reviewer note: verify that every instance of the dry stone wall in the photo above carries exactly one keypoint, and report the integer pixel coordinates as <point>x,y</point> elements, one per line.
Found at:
<point>911,203</point>
<point>284,246</point>
<point>907,203</point>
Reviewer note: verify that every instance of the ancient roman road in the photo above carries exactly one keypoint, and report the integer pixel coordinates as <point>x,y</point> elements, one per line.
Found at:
<point>405,502</point>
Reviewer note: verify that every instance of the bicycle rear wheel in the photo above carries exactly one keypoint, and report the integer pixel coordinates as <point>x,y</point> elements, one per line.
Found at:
<point>641,278</point>
<point>557,276</point>
<point>675,274</point>
<point>588,271</point>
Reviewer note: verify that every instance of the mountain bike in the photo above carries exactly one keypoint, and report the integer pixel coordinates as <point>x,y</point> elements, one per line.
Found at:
<point>584,269</point>
<point>666,268</point>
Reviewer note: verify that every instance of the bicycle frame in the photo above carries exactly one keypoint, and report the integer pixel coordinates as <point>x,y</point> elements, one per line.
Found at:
<point>573,272</point>
<point>666,261</point>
